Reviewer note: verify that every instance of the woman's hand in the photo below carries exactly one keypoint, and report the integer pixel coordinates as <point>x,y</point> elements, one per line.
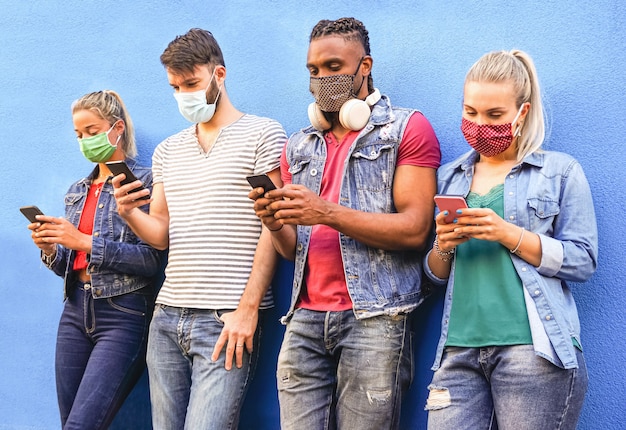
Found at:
<point>483,224</point>
<point>51,231</point>
<point>447,234</point>
<point>35,228</point>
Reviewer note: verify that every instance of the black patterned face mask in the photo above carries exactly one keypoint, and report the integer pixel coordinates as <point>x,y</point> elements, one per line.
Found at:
<point>331,92</point>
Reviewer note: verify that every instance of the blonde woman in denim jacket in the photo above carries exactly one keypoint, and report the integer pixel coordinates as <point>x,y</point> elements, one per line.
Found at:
<point>510,353</point>
<point>108,274</point>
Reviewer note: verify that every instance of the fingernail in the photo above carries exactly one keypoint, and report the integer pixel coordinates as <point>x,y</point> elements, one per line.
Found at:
<point>445,212</point>
<point>459,211</point>
<point>454,221</point>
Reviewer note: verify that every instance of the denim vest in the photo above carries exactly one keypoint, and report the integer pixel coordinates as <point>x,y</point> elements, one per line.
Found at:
<point>119,262</point>
<point>379,281</point>
<point>547,194</point>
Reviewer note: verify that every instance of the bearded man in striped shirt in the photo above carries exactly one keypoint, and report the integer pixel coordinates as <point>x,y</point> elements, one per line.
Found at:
<point>221,259</point>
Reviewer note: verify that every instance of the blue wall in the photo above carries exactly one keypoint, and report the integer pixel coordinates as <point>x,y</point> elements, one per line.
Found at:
<point>52,52</point>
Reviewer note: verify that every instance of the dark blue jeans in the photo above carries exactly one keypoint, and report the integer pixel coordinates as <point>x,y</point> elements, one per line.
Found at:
<point>100,355</point>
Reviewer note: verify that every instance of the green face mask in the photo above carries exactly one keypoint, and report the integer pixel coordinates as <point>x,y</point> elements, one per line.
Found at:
<point>98,149</point>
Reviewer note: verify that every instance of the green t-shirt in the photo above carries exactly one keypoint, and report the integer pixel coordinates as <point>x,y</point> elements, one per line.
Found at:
<point>488,307</point>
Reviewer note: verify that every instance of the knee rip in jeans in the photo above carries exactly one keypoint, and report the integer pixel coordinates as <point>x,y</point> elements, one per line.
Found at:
<point>378,397</point>
<point>438,398</point>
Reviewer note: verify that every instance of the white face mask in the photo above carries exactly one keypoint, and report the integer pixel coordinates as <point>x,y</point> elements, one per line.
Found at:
<point>194,106</point>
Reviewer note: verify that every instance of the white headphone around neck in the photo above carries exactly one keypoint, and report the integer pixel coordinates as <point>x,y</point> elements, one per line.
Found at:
<point>353,114</point>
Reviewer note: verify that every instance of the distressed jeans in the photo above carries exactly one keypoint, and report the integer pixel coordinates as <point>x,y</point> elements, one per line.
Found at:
<point>187,389</point>
<point>505,388</point>
<point>100,354</point>
<point>337,372</point>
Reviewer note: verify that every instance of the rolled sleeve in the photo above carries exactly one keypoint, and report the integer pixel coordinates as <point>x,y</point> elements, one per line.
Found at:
<point>429,273</point>
<point>551,256</point>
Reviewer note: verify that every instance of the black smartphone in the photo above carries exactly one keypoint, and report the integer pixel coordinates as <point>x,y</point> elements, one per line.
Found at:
<point>118,167</point>
<point>30,211</point>
<point>262,181</point>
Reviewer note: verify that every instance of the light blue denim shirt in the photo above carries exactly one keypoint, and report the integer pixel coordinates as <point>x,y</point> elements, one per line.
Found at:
<point>548,194</point>
<point>119,261</point>
<point>379,281</point>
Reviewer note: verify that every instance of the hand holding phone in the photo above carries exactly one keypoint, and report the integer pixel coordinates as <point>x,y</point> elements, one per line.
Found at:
<point>30,211</point>
<point>450,203</point>
<point>262,181</point>
<point>118,167</point>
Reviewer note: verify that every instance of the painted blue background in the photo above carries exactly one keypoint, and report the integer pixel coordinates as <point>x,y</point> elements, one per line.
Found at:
<point>52,52</point>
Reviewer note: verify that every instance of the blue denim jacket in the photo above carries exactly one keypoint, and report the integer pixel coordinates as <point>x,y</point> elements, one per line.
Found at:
<point>379,281</point>
<point>548,194</point>
<point>119,262</point>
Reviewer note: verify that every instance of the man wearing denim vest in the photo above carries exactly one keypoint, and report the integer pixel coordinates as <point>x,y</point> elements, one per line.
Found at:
<point>354,214</point>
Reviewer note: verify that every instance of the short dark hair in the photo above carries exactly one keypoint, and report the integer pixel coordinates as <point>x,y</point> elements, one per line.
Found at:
<point>348,28</point>
<point>196,47</point>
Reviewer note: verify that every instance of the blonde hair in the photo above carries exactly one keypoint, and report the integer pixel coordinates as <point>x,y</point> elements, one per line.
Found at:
<point>517,67</point>
<point>109,106</point>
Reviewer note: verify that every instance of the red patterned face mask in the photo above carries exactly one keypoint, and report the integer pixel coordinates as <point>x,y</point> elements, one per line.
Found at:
<point>489,139</point>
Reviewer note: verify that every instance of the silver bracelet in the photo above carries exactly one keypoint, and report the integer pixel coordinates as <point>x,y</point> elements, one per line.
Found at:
<point>49,259</point>
<point>442,255</point>
<point>519,242</point>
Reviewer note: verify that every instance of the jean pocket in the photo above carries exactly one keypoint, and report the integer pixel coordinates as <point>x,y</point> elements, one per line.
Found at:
<point>218,313</point>
<point>130,303</point>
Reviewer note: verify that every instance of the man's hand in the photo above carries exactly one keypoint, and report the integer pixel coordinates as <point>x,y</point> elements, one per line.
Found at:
<point>126,200</point>
<point>237,334</point>
<point>298,205</point>
<point>262,208</point>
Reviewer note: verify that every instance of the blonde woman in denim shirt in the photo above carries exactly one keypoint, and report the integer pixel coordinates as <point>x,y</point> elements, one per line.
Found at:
<point>108,274</point>
<point>510,354</point>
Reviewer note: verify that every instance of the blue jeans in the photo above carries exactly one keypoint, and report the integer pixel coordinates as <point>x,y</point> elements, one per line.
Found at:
<point>100,355</point>
<point>187,389</point>
<point>335,371</point>
<point>506,388</point>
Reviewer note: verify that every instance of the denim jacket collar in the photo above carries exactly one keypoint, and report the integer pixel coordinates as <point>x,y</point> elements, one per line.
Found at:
<point>467,161</point>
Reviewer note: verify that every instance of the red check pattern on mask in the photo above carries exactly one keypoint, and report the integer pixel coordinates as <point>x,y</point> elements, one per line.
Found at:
<point>487,139</point>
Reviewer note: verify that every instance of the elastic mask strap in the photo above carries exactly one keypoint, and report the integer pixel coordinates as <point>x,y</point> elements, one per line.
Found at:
<point>355,93</point>
<point>519,128</point>
<point>118,137</point>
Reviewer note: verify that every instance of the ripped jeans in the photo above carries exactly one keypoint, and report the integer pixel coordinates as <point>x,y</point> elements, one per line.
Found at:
<point>337,372</point>
<point>505,388</point>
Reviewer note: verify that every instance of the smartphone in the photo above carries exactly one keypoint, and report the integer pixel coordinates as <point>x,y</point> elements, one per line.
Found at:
<point>262,181</point>
<point>30,211</point>
<point>117,167</point>
<point>450,203</point>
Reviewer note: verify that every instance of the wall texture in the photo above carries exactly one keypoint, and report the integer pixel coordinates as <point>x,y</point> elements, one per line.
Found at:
<point>53,52</point>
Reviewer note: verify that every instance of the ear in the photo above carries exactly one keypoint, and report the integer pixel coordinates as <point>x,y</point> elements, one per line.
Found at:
<point>524,111</point>
<point>119,126</point>
<point>366,65</point>
<point>220,74</point>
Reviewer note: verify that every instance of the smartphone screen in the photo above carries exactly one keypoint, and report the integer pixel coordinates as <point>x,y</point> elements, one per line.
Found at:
<point>450,203</point>
<point>118,167</point>
<point>262,181</point>
<point>30,211</point>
